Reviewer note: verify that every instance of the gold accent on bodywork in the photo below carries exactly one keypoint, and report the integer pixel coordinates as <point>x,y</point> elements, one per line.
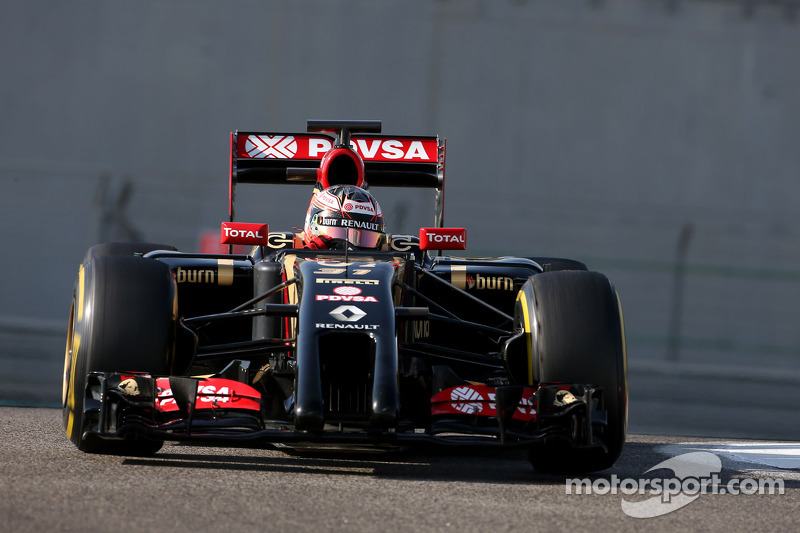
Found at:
<point>225,272</point>
<point>458,276</point>
<point>289,262</point>
<point>170,356</point>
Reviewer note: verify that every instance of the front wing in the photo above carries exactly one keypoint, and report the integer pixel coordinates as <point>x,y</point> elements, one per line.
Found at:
<point>221,411</point>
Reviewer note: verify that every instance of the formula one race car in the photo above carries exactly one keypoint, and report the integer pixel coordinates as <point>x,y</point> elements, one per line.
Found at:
<point>343,336</point>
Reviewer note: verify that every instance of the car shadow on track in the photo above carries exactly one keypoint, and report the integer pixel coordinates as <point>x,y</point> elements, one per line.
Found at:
<point>486,466</point>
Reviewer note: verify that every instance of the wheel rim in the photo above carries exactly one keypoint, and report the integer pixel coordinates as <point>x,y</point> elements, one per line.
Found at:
<point>68,357</point>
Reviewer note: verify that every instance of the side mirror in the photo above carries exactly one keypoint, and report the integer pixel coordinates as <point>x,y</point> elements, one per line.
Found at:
<point>443,239</point>
<point>244,233</point>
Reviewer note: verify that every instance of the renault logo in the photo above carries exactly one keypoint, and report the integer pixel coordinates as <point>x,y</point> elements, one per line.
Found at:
<point>347,313</point>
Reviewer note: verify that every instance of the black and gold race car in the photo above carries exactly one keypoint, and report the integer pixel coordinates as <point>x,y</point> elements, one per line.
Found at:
<point>386,348</point>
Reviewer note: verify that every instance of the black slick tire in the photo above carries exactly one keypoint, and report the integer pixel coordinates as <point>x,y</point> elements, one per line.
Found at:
<point>575,334</point>
<point>121,320</point>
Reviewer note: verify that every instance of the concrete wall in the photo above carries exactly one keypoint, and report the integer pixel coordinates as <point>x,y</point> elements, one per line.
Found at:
<point>596,130</point>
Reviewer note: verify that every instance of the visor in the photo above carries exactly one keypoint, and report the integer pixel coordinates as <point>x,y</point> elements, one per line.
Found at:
<point>357,237</point>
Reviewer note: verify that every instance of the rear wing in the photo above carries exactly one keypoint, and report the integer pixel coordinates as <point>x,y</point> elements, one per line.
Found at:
<point>292,158</point>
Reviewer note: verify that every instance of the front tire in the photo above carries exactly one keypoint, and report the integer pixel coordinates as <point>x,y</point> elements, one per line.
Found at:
<point>575,334</point>
<point>121,320</point>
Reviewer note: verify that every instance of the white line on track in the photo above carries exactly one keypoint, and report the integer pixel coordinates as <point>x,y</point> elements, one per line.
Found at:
<point>780,459</point>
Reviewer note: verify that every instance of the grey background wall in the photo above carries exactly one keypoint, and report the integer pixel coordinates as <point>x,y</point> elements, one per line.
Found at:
<point>594,129</point>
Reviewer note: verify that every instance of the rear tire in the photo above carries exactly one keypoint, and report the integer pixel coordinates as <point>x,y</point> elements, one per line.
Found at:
<point>573,322</point>
<point>124,248</point>
<point>121,321</point>
<point>553,264</point>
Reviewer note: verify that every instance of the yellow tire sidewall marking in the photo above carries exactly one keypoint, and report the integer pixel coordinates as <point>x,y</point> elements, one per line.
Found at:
<point>526,323</point>
<point>72,353</point>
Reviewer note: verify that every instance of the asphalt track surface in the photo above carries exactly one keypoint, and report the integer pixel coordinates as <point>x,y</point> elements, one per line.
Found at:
<point>48,485</point>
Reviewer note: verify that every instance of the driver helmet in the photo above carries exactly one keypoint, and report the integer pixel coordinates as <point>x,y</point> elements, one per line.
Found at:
<point>348,215</point>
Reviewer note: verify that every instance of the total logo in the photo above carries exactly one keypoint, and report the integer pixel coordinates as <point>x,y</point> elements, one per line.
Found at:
<point>347,313</point>
<point>440,238</point>
<point>244,233</point>
<point>443,238</point>
<point>231,232</point>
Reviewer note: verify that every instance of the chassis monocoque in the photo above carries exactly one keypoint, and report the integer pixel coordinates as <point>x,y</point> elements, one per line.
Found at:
<point>340,348</point>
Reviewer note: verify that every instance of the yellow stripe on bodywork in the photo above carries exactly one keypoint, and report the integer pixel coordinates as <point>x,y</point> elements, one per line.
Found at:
<point>289,261</point>
<point>225,272</point>
<point>526,323</point>
<point>173,350</point>
<point>458,276</point>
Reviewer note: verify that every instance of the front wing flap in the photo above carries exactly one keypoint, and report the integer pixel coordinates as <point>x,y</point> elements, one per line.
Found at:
<point>223,411</point>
